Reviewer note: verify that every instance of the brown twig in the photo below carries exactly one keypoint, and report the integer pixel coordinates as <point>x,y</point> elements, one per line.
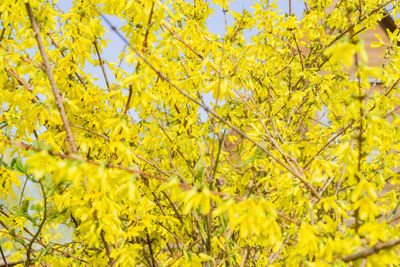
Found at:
<point>39,230</point>
<point>391,112</point>
<point>2,34</point>
<point>360,138</point>
<point>101,64</point>
<point>148,26</point>
<point>273,257</point>
<point>215,161</point>
<point>288,219</point>
<point>244,257</point>
<point>19,79</point>
<point>138,64</point>
<point>148,241</point>
<point>90,131</point>
<point>129,100</point>
<point>57,95</point>
<point>393,86</point>
<point>13,263</point>
<point>3,256</point>
<point>106,246</point>
<point>372,250</point>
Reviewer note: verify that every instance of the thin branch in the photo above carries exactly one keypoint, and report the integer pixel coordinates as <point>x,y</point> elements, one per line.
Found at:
<point>360,138</point>
<point>175,168</point>
<point>22,82</point>
<point>23,190</point>
<point>2,34</point>
<point>138,64</point>
<point>19,79</point>
<point>165,25</point>
<point>106,246</point>
<point>4,257</point>
<point>129,100</point>
<point>148,26</point>
<point>244,257</point>
<point>326,145</point>
<point>57,95</point>
<point>153,261</point>
<point>90,131</point>
<point>151,164</point>
<point>391,112</point>
<point>39,230</point>
<point>393,86</point>
<point>288,219</point>
<point>372,250</point>
<point>12,263</point>
<point>273,257</point>
<point>101,64</point>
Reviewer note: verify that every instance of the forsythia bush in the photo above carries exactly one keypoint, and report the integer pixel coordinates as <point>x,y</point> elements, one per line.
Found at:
<point>201,149</point>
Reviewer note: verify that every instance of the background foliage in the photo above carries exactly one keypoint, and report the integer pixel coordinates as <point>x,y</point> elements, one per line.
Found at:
<point>206,150</point>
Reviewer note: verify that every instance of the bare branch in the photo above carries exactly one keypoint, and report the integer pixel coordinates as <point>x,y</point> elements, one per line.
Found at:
<point>129,100</point>
<point>90,131</point>
<point>39,230</point>
<point>393,86</point>
<point>372,250</point>
<point>57,95</point>
<point>3,256</point>
<point>2,34</point>
<point>101,64</point>
<point>106,246</point>
<point>244,257</point>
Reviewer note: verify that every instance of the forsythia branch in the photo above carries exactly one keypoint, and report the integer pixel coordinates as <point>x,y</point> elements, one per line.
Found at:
<point>138,172</point>
<point>372,250</point>
<point>57,95</point>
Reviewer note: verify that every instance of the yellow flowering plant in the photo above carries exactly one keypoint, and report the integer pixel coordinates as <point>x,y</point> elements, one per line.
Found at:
<point>200,149</point>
